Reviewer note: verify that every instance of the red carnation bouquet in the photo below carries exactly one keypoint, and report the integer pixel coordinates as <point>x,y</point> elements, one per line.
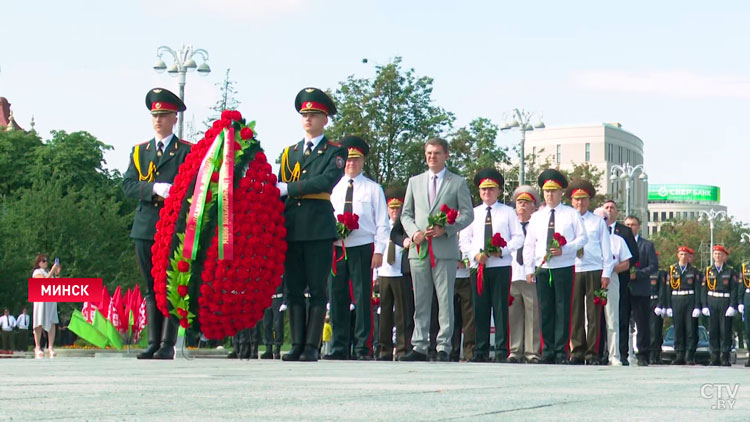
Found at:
<point>558,241</point>
<point>492,248</point>
<point>219,248</point>
<point>447,215</point>
<point>600,297</point>
<point>346,223</point>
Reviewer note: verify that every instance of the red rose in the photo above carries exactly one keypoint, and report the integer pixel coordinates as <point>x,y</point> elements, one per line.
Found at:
<point>217,124</point>
<point>260,157</point>
<point>560,239</point>
<point>226,114</point>
<point>182,312</point>
<point>498,241</point>
<point>182,290</point>
<point>341,218</point>
<point>237,146</point>
<point>445,208</point>
<point>450,218</point>
<point>510,300</point>
<point>215,177</point>
<point>209,195</point>
<point>183,266</point>
<point>246,133</point>
<point>235,115</point>
<point>225,123</point>
<point>184,323</point>
<point>597,300</point>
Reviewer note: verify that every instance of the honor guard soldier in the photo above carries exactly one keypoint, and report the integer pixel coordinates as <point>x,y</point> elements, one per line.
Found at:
<point>309,171</point>
<point>657,292</point>
<point>593,267</point>
<point>743,298</point>
<point>683,305</point>
<point>356,256</point>
<point>490,293</point>
<point>719,294</point>
<point>273,325</point>
<point>555,261</point>
<point>152,169</point>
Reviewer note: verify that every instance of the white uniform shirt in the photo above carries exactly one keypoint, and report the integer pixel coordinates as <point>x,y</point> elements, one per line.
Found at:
<point>620,251</point>
<point>517,271</point>
<point>7,322</point>
<point>23,321</point>
<point>369,204</point>
<point>463,246</point>
<point>597,253</point>
<point>568,222</point>
<point>390,270</point>
<point>504,221</point>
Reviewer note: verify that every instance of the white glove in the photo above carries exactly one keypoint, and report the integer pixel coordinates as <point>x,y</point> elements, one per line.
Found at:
<point>282,308</point>
<point>351,307</point>
<point>283,191</point>
<point>162,189</point>
<point>378,310</point>
<point>731,312</point>
<point>706,312</point>
<point>658,311</point>
<point>741,308</point>
<point>696,313</point>
<point>669,312</point>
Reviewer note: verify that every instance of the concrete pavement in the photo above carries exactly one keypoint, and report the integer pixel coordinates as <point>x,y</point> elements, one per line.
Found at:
<point>121,388</point>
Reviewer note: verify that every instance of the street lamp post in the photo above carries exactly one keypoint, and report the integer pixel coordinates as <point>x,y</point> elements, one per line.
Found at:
<point>711,215</point>
<point>521,120</point>
<point>745,238</point>
<point>627,174</point>
<point>183,63</point>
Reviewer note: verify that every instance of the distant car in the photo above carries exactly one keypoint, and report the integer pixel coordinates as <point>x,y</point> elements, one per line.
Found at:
<point>702,352</point>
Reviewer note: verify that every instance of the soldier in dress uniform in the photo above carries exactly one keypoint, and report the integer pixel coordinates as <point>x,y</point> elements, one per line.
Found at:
<point>490,293</point>
<point>152,169</point>
<point>743,299</point>
<point>309,171</point>
<point>358,254</point>
<point>657,292</point>
<point>683,305</point>
<point>273,326</point>
<point>719,298</point>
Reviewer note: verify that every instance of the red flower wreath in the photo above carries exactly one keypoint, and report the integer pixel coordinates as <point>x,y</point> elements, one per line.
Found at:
<point>231,294</point>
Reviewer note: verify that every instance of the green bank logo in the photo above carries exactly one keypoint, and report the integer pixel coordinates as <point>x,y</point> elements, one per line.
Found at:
<point>691,193</point>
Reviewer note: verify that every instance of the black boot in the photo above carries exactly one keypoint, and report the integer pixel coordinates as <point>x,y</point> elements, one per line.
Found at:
<point>277,352</point>
<point>714,359</point>
<point>155,321</point>
<point>314,332</point>
<point>268,354</point>
<point>679,359</point>
<point>690,358</point>
<point>297,326</point>
<point>168,339</point>
<point>254,350</point>
<point>245,349</point>
<point>725,359</point>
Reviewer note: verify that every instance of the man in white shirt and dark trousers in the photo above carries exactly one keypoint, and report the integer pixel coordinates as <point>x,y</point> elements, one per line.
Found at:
<point>554,280</point>
<point>490,291</point>
<point>23,322</point>
<point>463,312</point>
<point>523,313</point>
<point>593,266</point>
<point>7,324</point>
<point>390,277</point>
<point>356,194</point>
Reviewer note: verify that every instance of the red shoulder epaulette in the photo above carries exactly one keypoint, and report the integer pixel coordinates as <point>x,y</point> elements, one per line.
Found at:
<point>336,144</point>
<point>182,141</point>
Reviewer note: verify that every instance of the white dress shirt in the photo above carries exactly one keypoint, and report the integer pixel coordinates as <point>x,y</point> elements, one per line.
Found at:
<point>620,251</point>
<point>7,322</point>
<point>23,321</point>
<point>440,176</point>
<point>568,222</point>
<point>390,270</point>
<point>504,221</point>
<point>597,253</point>
<point>368,202</point>
<point>517,271</point>
<point>463,247</point>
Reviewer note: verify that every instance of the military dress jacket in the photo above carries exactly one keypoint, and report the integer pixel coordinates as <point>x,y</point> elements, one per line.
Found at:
<point>686,281</point>
<point>138,181</point>
<point>724,282</point>
<point>308,212</point>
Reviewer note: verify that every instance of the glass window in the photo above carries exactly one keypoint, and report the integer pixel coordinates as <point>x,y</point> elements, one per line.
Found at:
<point>588,152</point>
<point>656,216</point>
<point>671,215</point>
<point>663,216</point>
<point>559,147</point>
<point>692,215</point>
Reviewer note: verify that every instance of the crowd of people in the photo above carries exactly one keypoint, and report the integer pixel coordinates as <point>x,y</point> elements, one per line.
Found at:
<point>419,273</point>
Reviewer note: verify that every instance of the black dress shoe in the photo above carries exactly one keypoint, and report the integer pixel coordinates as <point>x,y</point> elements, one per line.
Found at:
<point>625,362</point>
<point>413,356</point>
<point>443,357</point>
<point>310,354</point>
<point>678,361</point>
<point>479,358</point>
<point>725,363</point>
<point>575,360</point>
<point>293,354</point>
<point>592,361</point>
<point>548,361</point>
<point>455,357</point>
<point>513,359</point>
<point>642,362</point>
<point>386,358</point>
<point>689,362</point>
<point>561,361</point>
<point>364,357</point>
<point>232,355</point>
<point>500,358</point>
<point>268,354</point>
<point>714,362</point>
<point>533,360</point>
<point>335,356</point>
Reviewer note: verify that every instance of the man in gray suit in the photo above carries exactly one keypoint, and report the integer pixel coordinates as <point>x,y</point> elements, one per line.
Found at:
<point>425,195</point>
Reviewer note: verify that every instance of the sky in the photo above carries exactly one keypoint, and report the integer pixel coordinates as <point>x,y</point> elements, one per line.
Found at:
<point>674,73</point>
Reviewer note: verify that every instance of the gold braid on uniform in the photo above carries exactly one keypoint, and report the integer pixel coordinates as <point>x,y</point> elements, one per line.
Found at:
<point>675,285</point>
<point>149,177</point>
<point>745,278</point>
<point>711,287</point>
<point>293,175</point>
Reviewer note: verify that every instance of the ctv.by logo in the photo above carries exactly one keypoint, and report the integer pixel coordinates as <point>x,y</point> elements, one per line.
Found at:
<point>724,396</point>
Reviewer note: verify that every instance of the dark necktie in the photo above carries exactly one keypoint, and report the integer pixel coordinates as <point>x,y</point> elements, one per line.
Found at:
<point>519,252</point>
<point>551,228</point>
<point>349,196</point>
<point>309,148</point>
<point>610,229</point>
<point>159,148</point>
<point>391,255</point>
<point>488,226</point>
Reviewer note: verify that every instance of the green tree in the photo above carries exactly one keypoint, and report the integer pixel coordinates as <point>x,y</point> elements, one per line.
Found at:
<point>395,114</point>
<point>473,148</point>
<point>227,101</point>
<point>17,150</point>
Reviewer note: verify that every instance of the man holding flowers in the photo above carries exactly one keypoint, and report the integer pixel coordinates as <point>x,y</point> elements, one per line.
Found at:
<point>554,235</point>
<point>491,238</point>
